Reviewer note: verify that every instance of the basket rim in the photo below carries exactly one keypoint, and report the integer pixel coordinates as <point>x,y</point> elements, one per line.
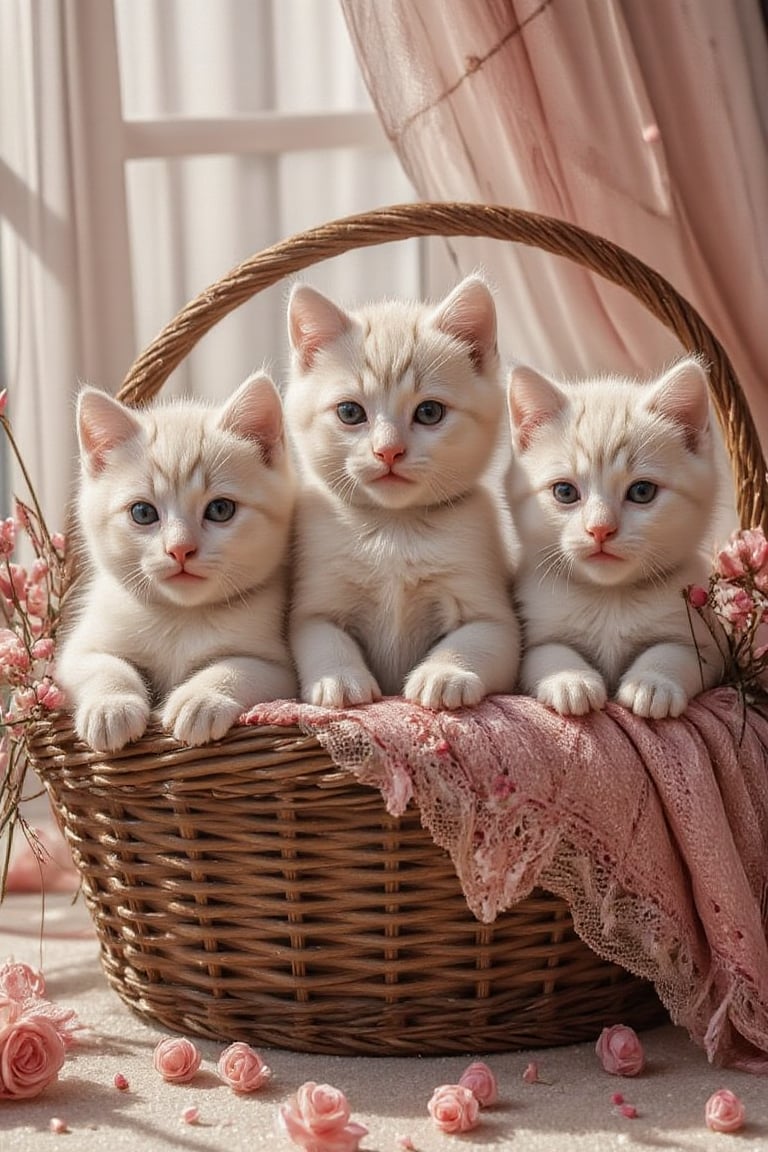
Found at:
<point>558,237</point>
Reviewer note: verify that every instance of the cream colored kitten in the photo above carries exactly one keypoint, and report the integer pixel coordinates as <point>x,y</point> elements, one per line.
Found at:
<point>185,512</point>
<point>394,411</point>
<point>612,490</point>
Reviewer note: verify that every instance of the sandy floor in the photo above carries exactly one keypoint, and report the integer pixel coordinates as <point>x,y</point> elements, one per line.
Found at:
<point>572,1111</point>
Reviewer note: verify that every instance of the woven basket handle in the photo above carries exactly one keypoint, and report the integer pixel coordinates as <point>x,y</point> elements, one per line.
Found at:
<point>403,221</point>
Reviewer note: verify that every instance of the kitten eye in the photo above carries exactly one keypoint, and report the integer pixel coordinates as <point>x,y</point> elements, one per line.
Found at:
<point>565,493</point>
<point>220,510</point>
<point>350,412</point>
<point>144,513</point>
<point>429,412</point>
<point>642,491</point>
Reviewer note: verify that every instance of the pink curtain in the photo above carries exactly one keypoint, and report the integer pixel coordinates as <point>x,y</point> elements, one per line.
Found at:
<point>645,121</point>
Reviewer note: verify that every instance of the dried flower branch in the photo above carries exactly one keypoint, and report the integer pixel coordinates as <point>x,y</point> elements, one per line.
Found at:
<point>31,600</point>
<point>734,609</point>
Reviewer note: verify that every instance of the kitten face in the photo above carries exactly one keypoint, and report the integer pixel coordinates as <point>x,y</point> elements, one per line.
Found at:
<point>613,482</point>
<point>396,405</point>
<point>182,503</point>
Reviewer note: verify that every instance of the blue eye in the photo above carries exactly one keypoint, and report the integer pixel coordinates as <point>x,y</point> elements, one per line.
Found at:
<point>143,513</point>
<point>429,412</point>
<point>565,493</point>
<point>350,412</point>
<point>642,492</point>
<point>220,510</point>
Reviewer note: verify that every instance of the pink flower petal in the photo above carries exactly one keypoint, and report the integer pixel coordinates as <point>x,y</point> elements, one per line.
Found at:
<point>176,1059</point>
<point>479,1078</point>
<point>620,1051</point>
<point>454,1108</point>
<point>724,1111</point>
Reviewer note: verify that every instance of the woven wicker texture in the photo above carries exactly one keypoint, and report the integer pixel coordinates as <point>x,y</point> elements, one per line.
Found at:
<point>250,890</point>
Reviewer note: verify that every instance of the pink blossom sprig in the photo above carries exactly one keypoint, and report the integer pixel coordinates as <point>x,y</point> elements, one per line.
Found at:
<point>31,600</point>
<point>734,608</point>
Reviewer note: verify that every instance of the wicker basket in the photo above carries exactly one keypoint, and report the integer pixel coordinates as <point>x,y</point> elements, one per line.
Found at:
<point>250,890</point>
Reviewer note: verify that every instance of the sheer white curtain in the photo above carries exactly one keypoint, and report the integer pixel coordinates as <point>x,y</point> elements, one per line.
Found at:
<point>112,218</point>
<point>119,201</point>
<point>52,137</point>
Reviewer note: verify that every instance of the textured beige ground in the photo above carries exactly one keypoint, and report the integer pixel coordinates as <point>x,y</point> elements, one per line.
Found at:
<point>573,1111</point>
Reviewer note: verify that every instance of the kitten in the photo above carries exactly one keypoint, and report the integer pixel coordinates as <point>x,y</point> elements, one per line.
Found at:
<point>401,584</point>
<point>612,490</point>
<point>185,513</point>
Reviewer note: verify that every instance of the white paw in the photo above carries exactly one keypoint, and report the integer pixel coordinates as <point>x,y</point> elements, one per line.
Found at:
<point>113,722</point>
<point>196,718</point>
<point>443,687</point>
<point>652,695</point>
<point>343,691</point>
<point>573,693</point>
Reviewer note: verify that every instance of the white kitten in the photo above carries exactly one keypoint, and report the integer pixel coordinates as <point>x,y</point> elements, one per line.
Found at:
<point>185,513</point>
<point>612,490</point>
<point>394,411</point>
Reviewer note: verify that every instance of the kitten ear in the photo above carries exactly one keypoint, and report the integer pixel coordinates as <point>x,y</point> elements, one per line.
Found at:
<point>682,395</point>
<point>532,400</point>
<point>102,424</point>
<point>255,412</point>
<point>469,314</point>
<point>313,322</point>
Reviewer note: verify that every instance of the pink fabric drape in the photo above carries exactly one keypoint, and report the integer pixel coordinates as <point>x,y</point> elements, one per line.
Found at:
<point>655,832</point>
<point>644,121</point>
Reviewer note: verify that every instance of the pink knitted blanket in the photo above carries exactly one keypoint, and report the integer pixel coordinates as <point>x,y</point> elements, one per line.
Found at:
<point>655,832</point>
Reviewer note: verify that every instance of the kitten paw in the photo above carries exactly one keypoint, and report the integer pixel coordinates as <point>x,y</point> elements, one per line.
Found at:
<point>194,719</point>
<point>109,726</point>
<point>573,693</point>
<point>343,691</point>
<point>443,688</point>
<point>652,696</point>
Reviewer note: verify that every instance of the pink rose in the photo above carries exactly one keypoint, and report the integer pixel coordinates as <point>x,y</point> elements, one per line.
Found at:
<point>63,1020</point>
<point>481,1081</point>
<point>176,1059</point>
<point>317,1119</point>
<point>724,1112</point>
<point>10,1010</point>
<point>21,981</point>
<point>454,1108</point>
<point>243,1069</point>
<point>31,1054</point>
<point>620,1051</point>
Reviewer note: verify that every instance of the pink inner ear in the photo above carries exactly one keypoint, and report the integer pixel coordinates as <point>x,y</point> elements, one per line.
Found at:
<point>682,396</point>
<point>314,321</point>
<point>469,314</point>
<point>533,402</point>
<point>255,412</point>
<point>103,424</point>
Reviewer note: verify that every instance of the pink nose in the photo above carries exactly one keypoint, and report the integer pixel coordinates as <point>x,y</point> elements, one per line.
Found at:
<point>181,552</point>
<point>601,532</point>
<point>390,453</point>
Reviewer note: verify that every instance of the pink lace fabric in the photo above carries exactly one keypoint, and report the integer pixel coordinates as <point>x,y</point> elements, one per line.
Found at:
<point>655,832</point>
